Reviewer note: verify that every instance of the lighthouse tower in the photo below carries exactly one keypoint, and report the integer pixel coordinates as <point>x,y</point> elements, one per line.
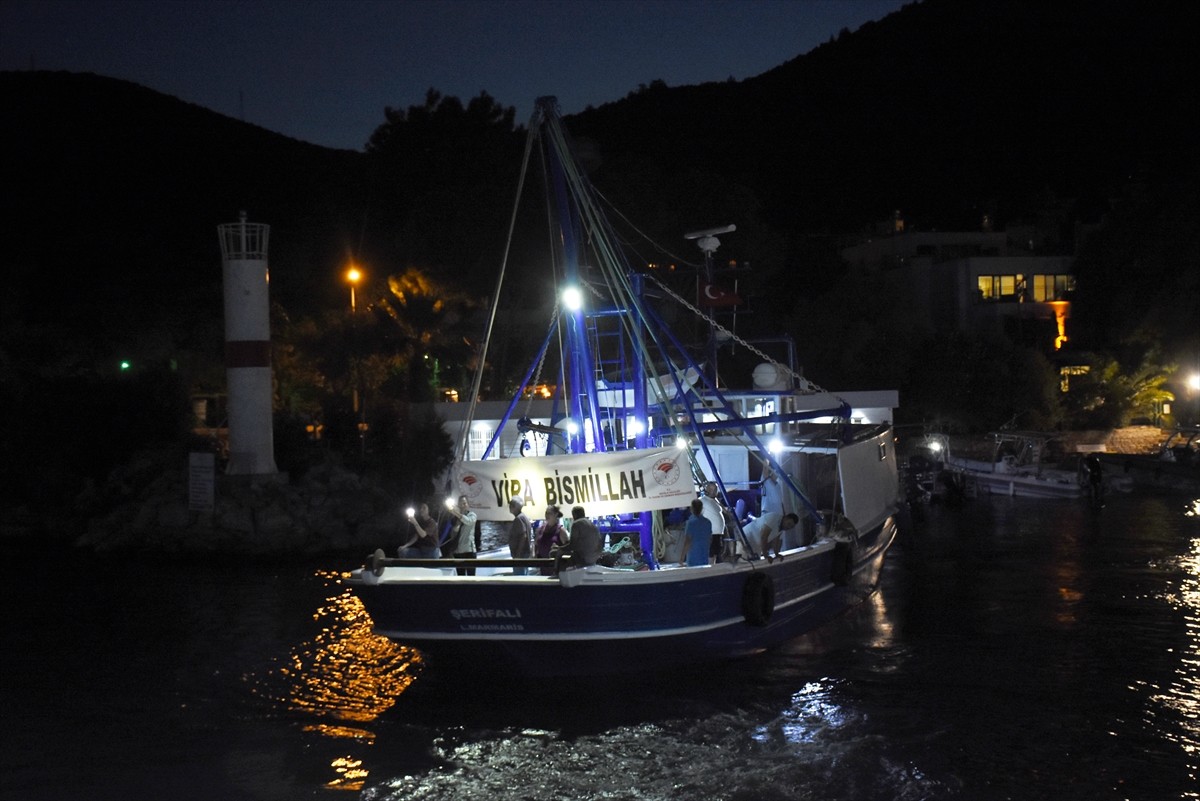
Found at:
<point>247,347</point>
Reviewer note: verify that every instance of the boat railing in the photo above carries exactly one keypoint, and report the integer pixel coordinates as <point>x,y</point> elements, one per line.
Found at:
<point>377,562</point>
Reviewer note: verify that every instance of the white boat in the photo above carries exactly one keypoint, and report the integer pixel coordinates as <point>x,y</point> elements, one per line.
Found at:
<point>632,457</point>
<point>1016,468</point>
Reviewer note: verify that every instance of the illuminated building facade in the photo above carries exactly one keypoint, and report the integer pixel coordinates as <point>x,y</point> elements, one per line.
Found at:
<point>977,281</point>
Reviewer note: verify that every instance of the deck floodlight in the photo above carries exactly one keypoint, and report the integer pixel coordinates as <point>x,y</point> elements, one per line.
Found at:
<point>572,298</point>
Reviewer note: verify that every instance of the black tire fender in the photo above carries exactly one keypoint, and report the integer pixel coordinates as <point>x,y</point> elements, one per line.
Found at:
<point>843,563</point>
<point>758,598</point>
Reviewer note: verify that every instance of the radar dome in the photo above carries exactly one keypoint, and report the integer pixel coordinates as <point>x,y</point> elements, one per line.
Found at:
<point>768,376</point>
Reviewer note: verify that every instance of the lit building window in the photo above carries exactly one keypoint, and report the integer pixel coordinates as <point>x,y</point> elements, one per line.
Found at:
<point>1001,287</point>
<point>1052,287</point>
<point>1069,370</point>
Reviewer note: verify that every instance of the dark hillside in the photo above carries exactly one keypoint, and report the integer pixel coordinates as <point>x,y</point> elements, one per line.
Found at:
<point>113,193</point>
<point>946,110</point>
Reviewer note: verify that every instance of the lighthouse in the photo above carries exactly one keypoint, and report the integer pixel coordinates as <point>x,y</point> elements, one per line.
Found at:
<point>247,347</point>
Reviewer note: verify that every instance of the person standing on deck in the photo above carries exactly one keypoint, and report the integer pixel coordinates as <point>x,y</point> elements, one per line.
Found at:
<point>422,539</point>
<point>775,499</point>
<point>518,535</point>
<point>715,513</point>
<point>462,533</point>
<point>772,492</point>
<point>697,534</point>
<point>549,536</point>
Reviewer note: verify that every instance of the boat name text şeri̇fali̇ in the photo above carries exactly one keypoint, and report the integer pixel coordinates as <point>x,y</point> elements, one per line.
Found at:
<point>491,619</point>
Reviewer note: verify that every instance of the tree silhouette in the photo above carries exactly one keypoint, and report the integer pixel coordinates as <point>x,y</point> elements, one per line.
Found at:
<point>1111,394</point>
<point>444,176</point>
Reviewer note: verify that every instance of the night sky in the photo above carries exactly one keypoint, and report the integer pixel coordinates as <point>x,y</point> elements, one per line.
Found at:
<point>324,71</point>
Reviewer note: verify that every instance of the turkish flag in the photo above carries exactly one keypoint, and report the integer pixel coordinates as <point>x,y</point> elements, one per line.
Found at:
<point>717,295</point>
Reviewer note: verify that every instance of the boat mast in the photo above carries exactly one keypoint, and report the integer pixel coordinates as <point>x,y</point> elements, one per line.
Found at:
<point>708,243</point>
<point>580,377</point>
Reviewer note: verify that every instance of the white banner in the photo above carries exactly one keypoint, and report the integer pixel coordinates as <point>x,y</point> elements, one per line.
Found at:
<point>602,483</point>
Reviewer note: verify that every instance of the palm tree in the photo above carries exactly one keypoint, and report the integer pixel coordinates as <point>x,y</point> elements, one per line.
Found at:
<point>1109,395</point>
<point>433,329</point>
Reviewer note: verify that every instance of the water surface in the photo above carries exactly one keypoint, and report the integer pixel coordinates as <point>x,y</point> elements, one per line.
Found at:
<point>1016,649</point>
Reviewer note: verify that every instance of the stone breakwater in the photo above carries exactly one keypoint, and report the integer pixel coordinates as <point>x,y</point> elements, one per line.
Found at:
<point>1130,440</point>
<point>329,510</point>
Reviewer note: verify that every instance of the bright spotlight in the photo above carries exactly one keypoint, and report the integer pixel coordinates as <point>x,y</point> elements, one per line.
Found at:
<point>572,298</point>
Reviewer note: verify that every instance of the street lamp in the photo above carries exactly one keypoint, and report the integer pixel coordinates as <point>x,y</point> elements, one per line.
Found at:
<point>353,275</point>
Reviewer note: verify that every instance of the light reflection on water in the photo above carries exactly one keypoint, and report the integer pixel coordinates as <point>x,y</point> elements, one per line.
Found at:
<point>345,675</point>
<point>1182,696</point>
<point>758,741</point>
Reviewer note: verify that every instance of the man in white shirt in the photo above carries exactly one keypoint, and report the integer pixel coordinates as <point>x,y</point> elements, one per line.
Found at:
<point>714,512</point>
<point>462,534</point>
<point>766,533</point>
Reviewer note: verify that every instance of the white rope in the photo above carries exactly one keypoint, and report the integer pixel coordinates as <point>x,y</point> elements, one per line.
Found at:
<point>537,377</point>
<point>512,224</point>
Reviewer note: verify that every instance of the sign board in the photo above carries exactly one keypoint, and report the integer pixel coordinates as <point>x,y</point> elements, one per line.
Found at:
<point>620,482</point>
<point>201,482</point>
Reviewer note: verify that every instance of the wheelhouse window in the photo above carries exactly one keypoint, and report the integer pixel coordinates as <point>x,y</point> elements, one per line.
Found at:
<point>481,435</point>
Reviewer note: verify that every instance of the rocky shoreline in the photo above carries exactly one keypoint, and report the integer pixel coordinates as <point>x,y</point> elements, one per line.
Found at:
<point>145,505</point>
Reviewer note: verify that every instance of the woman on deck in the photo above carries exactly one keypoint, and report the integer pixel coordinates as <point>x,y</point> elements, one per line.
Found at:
<point>550,535</point>
<point>422,538</point>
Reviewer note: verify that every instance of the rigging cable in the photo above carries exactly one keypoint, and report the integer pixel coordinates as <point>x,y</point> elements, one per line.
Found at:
<point>512,222</point>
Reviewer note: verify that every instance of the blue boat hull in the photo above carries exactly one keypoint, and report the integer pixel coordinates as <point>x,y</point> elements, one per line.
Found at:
<point>618,621</point>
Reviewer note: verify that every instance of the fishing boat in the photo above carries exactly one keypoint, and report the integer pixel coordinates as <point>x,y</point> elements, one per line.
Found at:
<point>638,421</point>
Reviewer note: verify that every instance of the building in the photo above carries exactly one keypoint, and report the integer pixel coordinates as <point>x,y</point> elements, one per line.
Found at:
<point>974,281</point>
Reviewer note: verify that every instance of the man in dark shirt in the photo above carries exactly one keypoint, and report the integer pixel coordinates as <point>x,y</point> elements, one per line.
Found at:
<point>584,546</point>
